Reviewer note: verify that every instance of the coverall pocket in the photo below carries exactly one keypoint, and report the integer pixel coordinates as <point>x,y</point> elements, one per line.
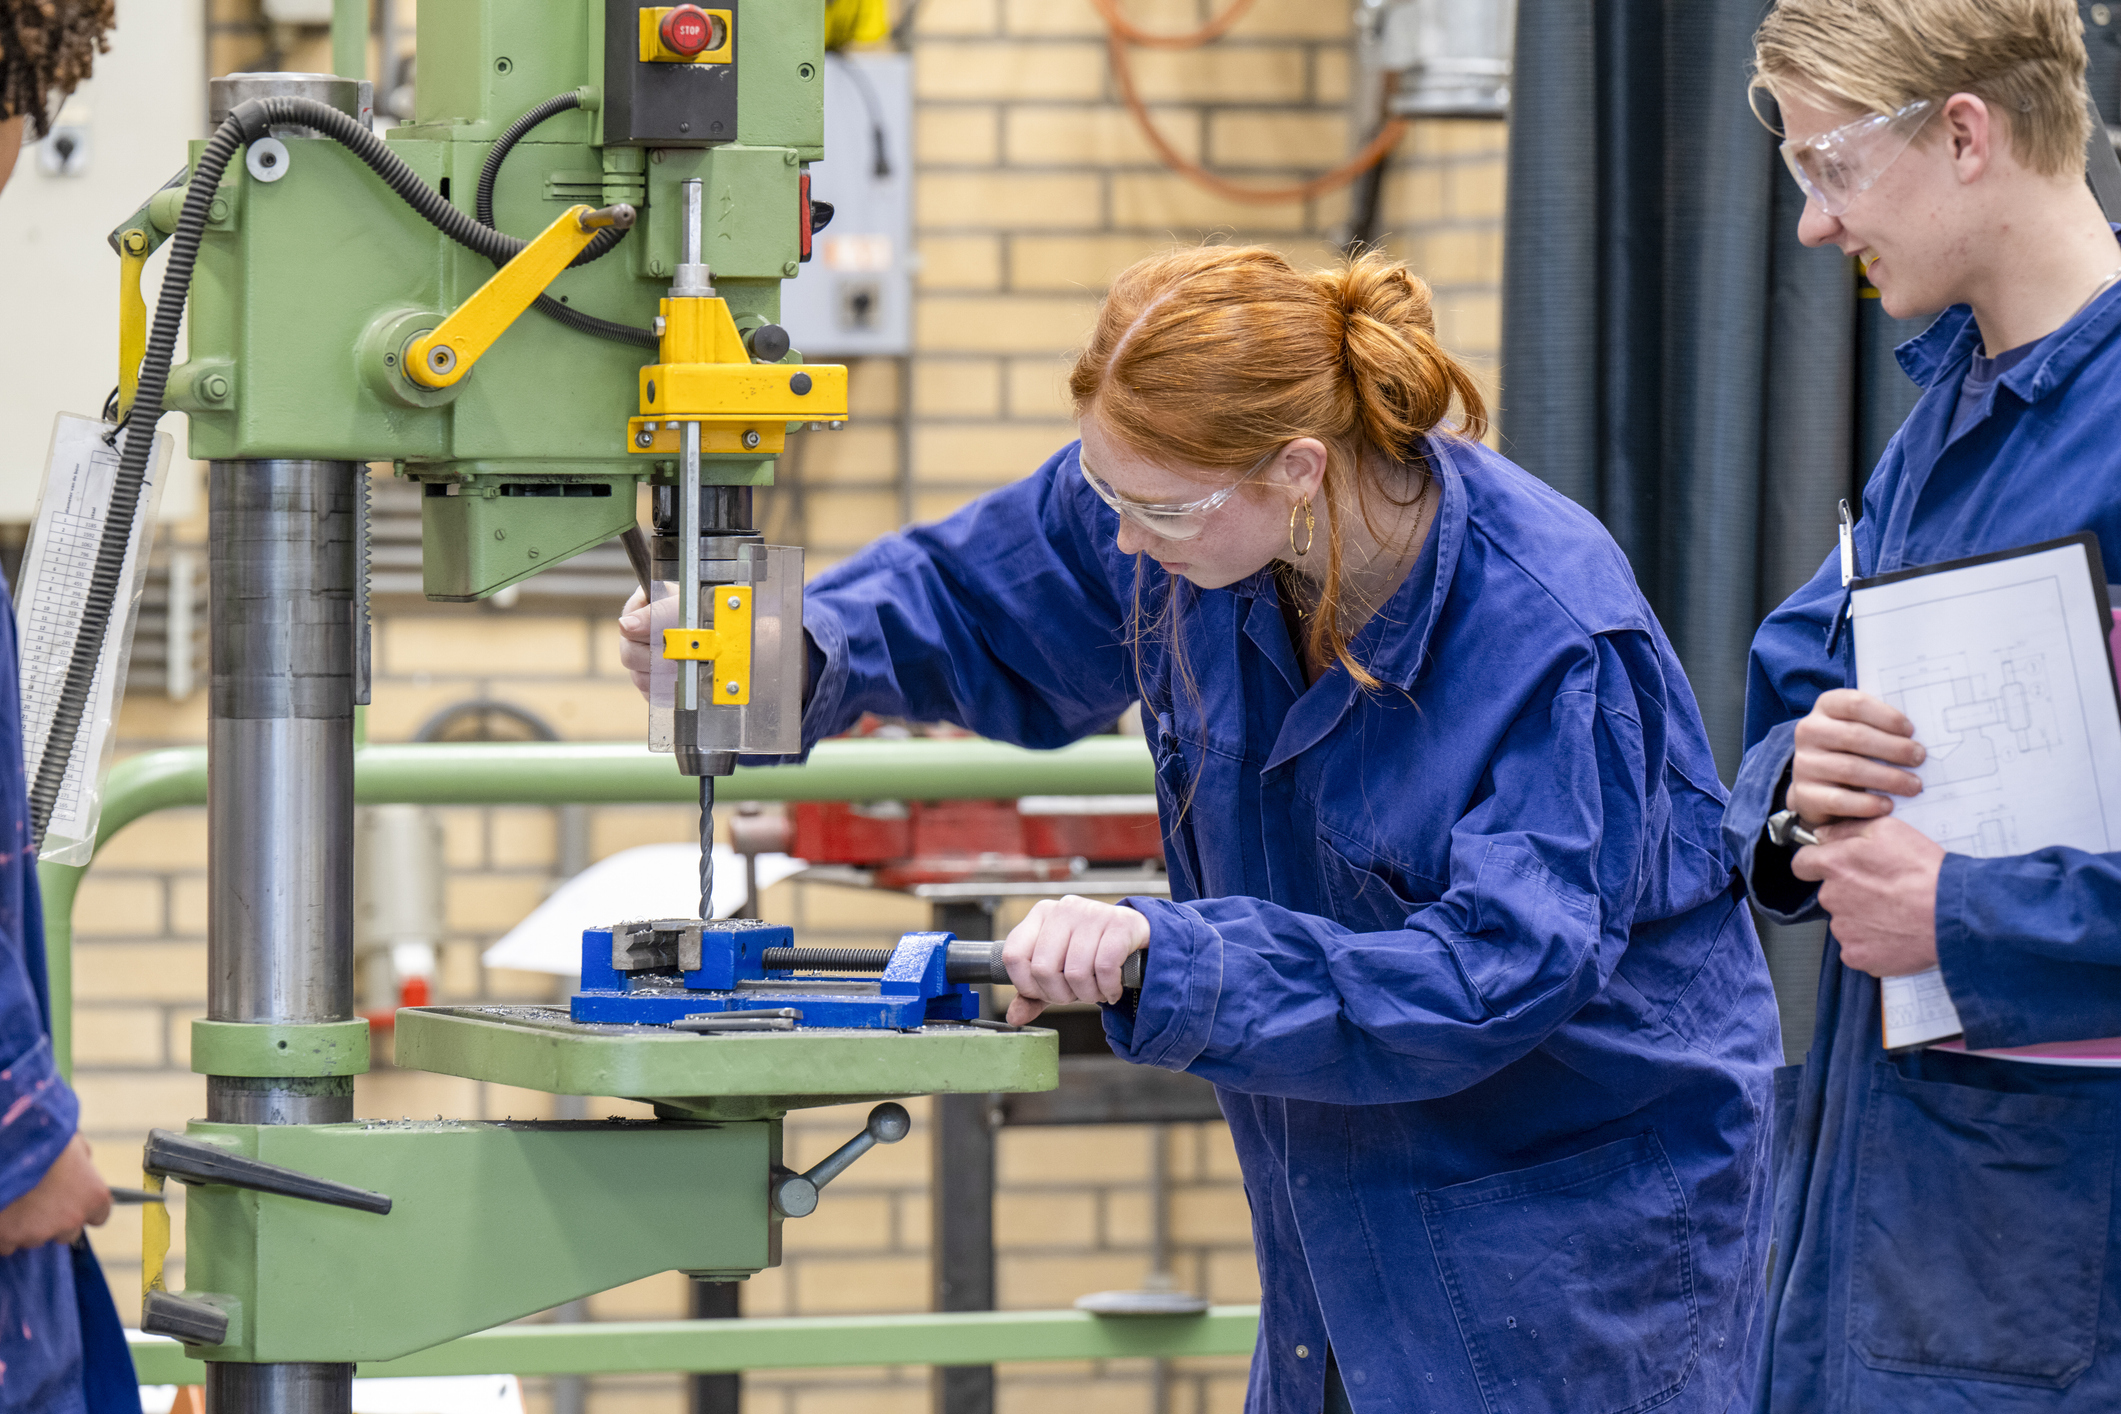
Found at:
<point>1572,1281</point>
<point>1981,1227</point>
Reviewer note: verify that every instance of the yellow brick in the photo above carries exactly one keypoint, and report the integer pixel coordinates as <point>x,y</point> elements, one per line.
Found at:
<point>1115,1153</point>
<point>616,827</point>
<point>960,263</point>
<point>957,135</point>
<point>117,1036</point>
<point>1469,323</point>
<point>1006,324</point>
<point>118,1239</point>
<point>1044,17</point>
<point>1461,137</point>
<point>523,837</point>
<point>897,1398</point>
<point>457,972</point>
<point>134,1102</point>
<point>508,984</point>
<point>177,1032</point>
<point>1240,138</point>
<point>957,388</point>
<point>916,1220</point>
<point>852,517</point>
<point>1218,1153</point>
<point>486,641</point>
<point>1458,257</point>
<point>1233,1277</point>
<point>667,1394</point>
<point>1294,19</point>
<point>1207,1216</point>
<point>767,1293</point>
<point>167,839</point>
<point>843,1222</point>
<point>998,451</point>
<point>1086,263</point>
<point>955,17</point>
<point>931,506</point>
<point>1045,1219</point>
<point>505,1102</point>
<point>491,903</point>
<point>1126,1219</point>
<point>414,1094</point>
<point>1329,76</point>
<point>187,906</point>
<point>1476,190</point>
<point>150,720</point>
<point>1038,388</point>
<point>401,707</point>
<point>139,972</point>
<point>860,454</point>
<point>1104,137</point>
<point>1023,1282</point>
<point>1225,1395</point>
<point>666,1296</point>
<point>1219,75</point>
<point>1413,195</point>
<point>867,1284</point>
<point>1010,72</point>
<point>872,387</point>
<point>1042,1394</point>
<point>463,835</point>
<point>583,709</point>
<point>1171,203</point>
<point>876,911</point>
<point>117,904</point>
<point>1010,201</point>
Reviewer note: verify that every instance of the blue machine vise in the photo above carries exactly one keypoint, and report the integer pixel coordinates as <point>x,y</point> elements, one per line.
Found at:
<point>684,972</point>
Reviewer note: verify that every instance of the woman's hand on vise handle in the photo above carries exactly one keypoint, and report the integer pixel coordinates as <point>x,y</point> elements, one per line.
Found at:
<point>1850,747</point>
<point>1070,950</point>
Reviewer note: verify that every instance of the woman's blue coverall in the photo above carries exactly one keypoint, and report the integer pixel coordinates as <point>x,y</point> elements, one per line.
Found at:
<point>1946,1224</point>
<point>1463,954</point>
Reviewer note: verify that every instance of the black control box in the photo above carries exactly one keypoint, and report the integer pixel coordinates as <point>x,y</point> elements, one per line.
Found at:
<point>650,103</point>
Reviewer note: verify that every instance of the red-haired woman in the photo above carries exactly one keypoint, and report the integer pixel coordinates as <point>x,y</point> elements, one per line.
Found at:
<point>1451,927</point>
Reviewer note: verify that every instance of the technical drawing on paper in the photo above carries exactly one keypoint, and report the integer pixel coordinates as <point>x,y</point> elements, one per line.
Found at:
<point>1977,720</point>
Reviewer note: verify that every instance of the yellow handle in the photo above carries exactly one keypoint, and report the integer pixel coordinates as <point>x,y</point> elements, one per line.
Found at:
<point>439,359</point>
<point>727,645</point>
<point>154,1238</point>
<point>132,317</point>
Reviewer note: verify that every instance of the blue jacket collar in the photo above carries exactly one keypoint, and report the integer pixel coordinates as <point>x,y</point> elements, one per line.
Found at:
<point>1947,344</point>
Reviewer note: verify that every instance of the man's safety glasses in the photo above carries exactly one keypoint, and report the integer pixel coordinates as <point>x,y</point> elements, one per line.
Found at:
<point>1840,164</point>
<point>1170,520</point>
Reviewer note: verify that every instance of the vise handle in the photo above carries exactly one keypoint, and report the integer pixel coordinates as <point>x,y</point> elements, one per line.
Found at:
<point>171,1155</point>
<point>976,962</point>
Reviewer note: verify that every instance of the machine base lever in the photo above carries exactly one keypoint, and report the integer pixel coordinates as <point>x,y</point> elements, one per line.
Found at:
<point>195,1161</point>
<point>795,1194</point>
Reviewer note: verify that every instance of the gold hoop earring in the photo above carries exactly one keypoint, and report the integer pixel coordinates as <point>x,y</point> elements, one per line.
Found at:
<point>1310,528</point>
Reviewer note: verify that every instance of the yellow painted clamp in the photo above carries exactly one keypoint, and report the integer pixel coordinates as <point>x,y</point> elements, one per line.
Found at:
<point>727,645</point>
<point>441,358</point>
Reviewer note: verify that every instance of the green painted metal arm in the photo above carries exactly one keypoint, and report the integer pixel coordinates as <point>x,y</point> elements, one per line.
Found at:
<point>804,1342</point>
<point>603,773</point>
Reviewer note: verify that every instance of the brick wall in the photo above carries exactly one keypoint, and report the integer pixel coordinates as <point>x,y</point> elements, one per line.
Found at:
<point>1033,190</point>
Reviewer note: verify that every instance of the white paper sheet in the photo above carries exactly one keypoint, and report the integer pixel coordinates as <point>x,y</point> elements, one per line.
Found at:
<point>2003,668</point>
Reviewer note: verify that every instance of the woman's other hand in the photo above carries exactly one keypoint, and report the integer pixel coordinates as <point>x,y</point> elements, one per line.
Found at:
<point>1851,746</point>
<point>70,1195</point>
<point>1070,950</point>
<point>635,655</point>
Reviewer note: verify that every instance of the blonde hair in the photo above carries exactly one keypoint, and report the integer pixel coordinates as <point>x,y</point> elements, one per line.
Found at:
<point>1217,356</point>
<point>2024,58</point>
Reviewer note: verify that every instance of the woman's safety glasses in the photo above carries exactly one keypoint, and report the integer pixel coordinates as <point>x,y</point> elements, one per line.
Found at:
<point>1170,520</point>
<point>1840,164</point>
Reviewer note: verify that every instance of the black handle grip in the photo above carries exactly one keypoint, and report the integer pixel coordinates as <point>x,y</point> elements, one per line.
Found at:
<point>194,1161</point>
<point>982,962</point>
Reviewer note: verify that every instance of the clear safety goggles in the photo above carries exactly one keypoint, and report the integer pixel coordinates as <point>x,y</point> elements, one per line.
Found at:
<point>1170,520</point>
<point>1840,164</point>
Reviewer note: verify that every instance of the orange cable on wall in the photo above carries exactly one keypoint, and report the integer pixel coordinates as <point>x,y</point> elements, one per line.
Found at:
<point>1119,32</point>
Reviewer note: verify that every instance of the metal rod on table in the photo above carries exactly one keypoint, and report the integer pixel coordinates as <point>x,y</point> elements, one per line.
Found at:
<point>688,689</point>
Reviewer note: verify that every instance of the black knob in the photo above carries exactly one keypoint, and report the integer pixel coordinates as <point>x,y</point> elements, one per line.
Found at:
<point>769,343</point>
<point>800,384</point>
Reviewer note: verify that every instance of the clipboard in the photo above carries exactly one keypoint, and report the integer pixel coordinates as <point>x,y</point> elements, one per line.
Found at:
<point>2002,661</point>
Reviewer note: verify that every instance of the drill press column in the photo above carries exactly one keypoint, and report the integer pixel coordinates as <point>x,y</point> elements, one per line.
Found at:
<point>280,817</point>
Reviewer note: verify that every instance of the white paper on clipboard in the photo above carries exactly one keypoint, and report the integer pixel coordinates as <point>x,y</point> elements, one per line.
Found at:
<point>2002,664</point>
<point>55,573</point>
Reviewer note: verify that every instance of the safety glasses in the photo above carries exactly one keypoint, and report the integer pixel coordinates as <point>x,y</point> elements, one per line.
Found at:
<point>1171,520</point>
<point>1840,164</point>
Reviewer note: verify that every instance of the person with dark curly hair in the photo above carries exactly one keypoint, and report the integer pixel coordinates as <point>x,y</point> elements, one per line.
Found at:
<point>62,1350</point>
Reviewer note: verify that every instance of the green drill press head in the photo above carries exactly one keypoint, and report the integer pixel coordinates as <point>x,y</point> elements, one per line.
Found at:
<point>314,276</point>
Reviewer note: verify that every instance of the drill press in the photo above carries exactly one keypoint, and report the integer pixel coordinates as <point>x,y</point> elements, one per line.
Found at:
<point>353,300</point>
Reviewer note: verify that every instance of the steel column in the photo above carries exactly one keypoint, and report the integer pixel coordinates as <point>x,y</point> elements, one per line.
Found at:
<point>280,816</point>
<point>963,1192</point>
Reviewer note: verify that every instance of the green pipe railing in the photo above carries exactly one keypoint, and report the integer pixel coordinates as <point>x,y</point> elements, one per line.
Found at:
<point>602,773</point>
<point>790,1343</point>
<point>563,773</point>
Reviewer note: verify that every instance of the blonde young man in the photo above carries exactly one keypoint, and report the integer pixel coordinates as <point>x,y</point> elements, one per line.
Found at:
<point>1945,1219</point>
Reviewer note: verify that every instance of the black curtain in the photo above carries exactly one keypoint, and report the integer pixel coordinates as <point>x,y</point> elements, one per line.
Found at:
<point>1672,358</point>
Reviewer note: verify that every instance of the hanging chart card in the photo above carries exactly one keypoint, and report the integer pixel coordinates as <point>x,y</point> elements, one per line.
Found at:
<point>2001,661</point>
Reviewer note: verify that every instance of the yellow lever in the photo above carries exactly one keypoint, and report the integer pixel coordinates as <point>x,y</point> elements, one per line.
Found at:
<point>727,645</point>
<point>438,359</point>
<point>132,317</point>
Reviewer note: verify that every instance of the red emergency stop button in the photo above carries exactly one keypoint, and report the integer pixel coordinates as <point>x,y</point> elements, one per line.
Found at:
<point>687,30</point>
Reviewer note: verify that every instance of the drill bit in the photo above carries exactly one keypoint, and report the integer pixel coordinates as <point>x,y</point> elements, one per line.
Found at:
<point>706,847</point>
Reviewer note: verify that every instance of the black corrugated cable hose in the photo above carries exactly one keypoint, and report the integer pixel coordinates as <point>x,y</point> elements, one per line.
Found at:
<point>250,120</point>
<point>595,250</point>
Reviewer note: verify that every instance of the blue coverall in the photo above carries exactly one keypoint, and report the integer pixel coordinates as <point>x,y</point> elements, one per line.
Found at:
<point>1946,1223</point>
<point>1463,955</point>
<point>62,1350</point>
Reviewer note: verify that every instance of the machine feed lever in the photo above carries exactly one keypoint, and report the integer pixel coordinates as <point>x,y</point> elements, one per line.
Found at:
<point>187,1160</point>
<point>795,1194</point>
